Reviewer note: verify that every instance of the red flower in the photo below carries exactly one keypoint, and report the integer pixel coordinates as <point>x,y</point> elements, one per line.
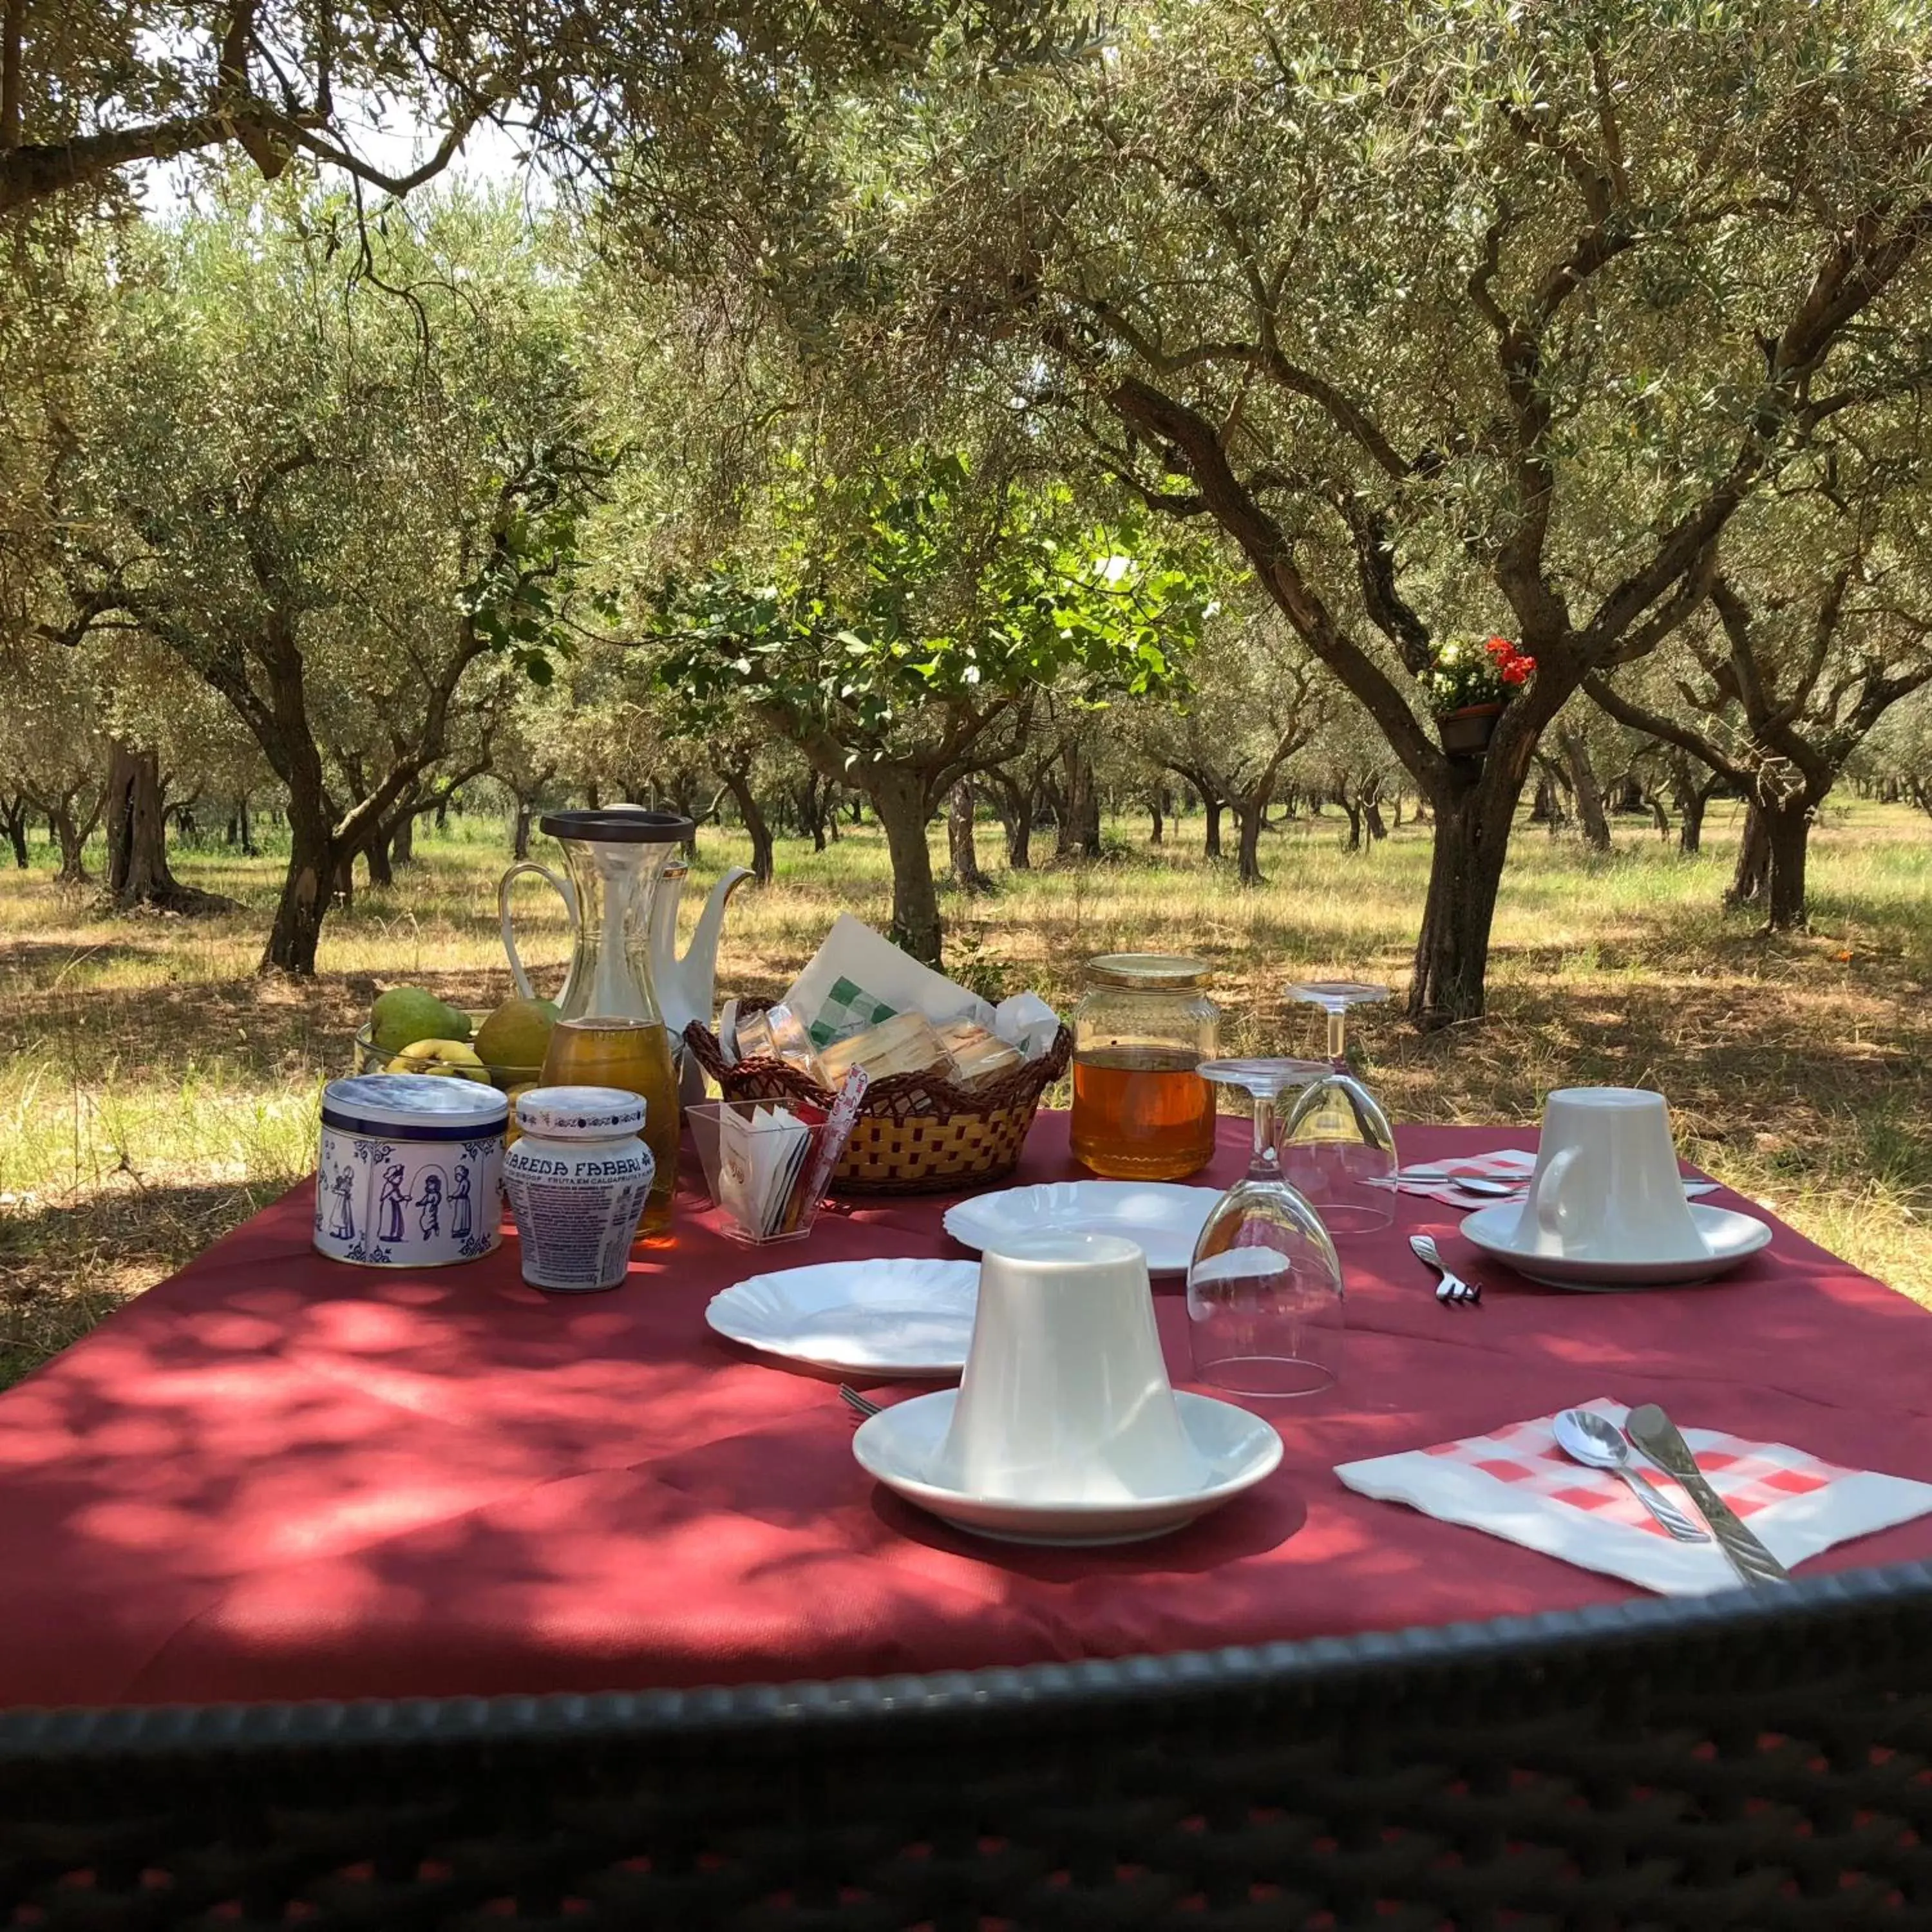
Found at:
<point>1517,670</point>
<point>1500,648</point>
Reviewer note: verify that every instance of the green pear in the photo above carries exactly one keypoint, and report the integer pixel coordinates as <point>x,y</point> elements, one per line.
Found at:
<point>517,1035</point>
<point>404,1014</point>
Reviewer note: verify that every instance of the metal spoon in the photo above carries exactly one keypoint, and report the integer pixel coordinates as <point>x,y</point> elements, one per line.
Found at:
<point>1478,1184</point>
<point>1586,1437</point>
<point>1452,1291</point>
<point>1471,1181</point>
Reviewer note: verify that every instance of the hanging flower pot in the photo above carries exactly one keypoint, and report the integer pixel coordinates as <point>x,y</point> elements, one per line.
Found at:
<point>1468,686</point>
<point>1466,732</point>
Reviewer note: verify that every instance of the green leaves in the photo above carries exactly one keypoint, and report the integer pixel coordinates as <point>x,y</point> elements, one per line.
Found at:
<point>914,589</point>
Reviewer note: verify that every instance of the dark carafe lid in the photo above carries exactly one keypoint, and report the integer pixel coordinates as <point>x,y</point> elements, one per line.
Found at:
<point>620,824</point>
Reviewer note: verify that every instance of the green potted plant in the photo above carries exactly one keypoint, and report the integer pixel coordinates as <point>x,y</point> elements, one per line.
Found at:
<point>1469,685</point>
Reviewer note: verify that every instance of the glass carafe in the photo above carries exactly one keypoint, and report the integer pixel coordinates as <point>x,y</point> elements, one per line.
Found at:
<point>614,859</point>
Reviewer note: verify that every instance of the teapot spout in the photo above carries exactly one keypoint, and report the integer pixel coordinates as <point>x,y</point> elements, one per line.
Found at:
<point>688,986</point>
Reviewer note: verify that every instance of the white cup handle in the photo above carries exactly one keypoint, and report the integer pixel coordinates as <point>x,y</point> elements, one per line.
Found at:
<point>521,979</point>
<point>1550,1190</point>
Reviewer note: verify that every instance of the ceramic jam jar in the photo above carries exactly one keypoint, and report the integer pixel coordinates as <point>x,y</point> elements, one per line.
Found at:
<point>1141,1111</point>
<point>411,1170</point>
<point>578,1177</point>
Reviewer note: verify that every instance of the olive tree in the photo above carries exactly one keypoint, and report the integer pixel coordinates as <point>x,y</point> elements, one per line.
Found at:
<point>648,95</point>
<point>1255,700</point>
<point>904,624</point>
<point>343,508</point>
<point>1818,622</point>
<point>1451,317</point>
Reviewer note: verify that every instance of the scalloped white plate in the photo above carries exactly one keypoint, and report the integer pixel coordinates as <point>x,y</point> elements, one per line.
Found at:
<point>1161,1218</point>
<point>876,1318</point>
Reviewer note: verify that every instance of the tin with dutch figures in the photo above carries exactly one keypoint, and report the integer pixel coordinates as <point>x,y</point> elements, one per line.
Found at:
<point>411,1172</point>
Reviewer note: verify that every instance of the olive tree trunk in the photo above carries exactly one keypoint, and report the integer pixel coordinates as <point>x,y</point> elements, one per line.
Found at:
<point>757,828</point>
<point>1690,807</point>
<point>13,817</point>
<point>1752,877</point>
<point>1249,814</point>
<point>138,873</point>
<point>1015,804</point>
<point>899,798</point>
<point>961,843</point>
<point>71,837</point>
<point>1788,833</point>
<point>307,885</point>
<point>1583,786</point>
<point>1080,822</point>
<point>1474,818</point>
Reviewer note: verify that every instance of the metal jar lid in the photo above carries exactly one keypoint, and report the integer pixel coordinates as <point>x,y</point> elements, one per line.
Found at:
<point>1147,972</point>
<point>581,1113</point>
<point>428,1106</point>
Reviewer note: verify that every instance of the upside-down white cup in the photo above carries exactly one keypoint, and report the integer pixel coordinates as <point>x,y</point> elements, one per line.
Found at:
<point>1065,1397</point>
<point>1607,1186</point>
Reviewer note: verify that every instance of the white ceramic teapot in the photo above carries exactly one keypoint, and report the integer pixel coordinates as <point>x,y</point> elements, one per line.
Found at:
<point>687,987</point>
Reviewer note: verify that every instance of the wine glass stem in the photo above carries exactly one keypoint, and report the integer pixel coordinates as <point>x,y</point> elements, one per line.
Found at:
<point>1338,1037</point>
<point>1266,1164</point>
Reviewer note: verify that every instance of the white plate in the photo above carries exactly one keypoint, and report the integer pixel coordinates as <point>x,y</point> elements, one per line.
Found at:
<point>1164,1219</point>
<point>900,1444</point>
<point>873,1318</point>
<point>1731,1237</point>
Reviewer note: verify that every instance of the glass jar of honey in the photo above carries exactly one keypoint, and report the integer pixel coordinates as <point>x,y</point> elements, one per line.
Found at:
<point>1141,1111</point>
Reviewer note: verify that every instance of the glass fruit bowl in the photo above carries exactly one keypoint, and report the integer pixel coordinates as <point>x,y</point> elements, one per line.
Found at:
<point>370,1058</point>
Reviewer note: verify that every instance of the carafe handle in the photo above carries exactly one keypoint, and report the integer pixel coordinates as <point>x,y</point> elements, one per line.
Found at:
<point>521,979</point>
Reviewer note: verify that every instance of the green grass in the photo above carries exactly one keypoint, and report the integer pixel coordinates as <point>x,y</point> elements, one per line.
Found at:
<point>154,1091</point>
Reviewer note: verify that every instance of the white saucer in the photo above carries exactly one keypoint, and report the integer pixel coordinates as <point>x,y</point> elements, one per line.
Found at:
<point>1731,1237</point>
<point>900,1444</point>
<point>875,1318</point>
<point>1161,1218</point>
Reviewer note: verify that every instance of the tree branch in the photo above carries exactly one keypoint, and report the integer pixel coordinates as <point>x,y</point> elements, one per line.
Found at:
<point>1174,425</point>
<point>1655,724</point>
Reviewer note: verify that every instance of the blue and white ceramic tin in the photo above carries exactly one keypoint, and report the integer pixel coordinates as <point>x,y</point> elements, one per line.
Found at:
<point>412,1170</point>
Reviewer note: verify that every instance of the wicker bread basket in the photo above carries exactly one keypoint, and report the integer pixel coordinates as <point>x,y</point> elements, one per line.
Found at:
<point>915,1134</point>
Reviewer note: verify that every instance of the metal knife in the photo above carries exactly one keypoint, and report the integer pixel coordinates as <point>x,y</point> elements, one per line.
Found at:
<point>1656,1434</point>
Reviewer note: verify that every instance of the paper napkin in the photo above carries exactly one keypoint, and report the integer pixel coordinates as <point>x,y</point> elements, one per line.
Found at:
<point>1517,1483</point>
<point>759,1157</point>
<point>1434,1179</point>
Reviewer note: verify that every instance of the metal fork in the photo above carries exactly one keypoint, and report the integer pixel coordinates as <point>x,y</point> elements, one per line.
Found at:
<point>1453,1292</point>
<point>863,1404</point>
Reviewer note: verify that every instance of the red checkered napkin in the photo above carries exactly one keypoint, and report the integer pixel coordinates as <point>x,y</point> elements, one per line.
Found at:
<point>1516,1483</point>
<point>1427,1177</point>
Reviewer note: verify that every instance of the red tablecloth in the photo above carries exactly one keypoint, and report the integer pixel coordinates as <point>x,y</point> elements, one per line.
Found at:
<point>275,1477</point>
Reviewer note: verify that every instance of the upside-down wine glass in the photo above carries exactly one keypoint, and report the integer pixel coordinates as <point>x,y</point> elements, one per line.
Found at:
<point>1265,1300</point>
<point>1337,1141</point>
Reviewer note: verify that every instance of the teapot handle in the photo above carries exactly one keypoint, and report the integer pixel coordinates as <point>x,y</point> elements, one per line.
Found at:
<point>521,979</point>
